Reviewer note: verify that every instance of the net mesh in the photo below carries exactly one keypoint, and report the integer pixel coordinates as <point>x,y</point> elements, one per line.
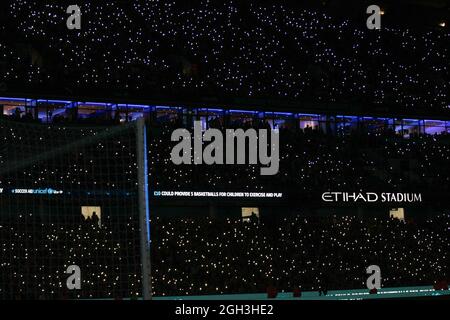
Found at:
<point>68,196</point>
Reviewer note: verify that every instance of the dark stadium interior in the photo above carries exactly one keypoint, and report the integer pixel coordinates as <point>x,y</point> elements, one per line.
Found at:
<point>356,111</point>
<point>222,51</point>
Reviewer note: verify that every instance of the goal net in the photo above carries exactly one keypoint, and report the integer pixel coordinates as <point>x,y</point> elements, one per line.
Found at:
<point>73,212</point>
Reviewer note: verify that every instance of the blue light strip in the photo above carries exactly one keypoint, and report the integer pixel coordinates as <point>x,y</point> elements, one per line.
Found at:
<point>374,118</point>
<point>14,99</point>
<point>54,101</point>
<point>167,107</point>
<point>143,106</point>
<point>211,109</point>
<point>243,111</point>
<point>307,115</point>
<point>438,121</point>
<point>347,117</point>
<point>96,103</point>
<point>414,120</point>
<point>284,113</point>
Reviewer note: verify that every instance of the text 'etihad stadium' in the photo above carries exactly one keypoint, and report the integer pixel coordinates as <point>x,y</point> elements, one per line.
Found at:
<point>371,197</point>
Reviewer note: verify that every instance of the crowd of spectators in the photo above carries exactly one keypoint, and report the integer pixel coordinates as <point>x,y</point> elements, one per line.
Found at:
<point>268,50</point>
<point>221,49</point>
<point>70,158</point>
<point>313,161</point>
<point>35,253</point>
<point>195,256</point>
<point>213,255</point>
